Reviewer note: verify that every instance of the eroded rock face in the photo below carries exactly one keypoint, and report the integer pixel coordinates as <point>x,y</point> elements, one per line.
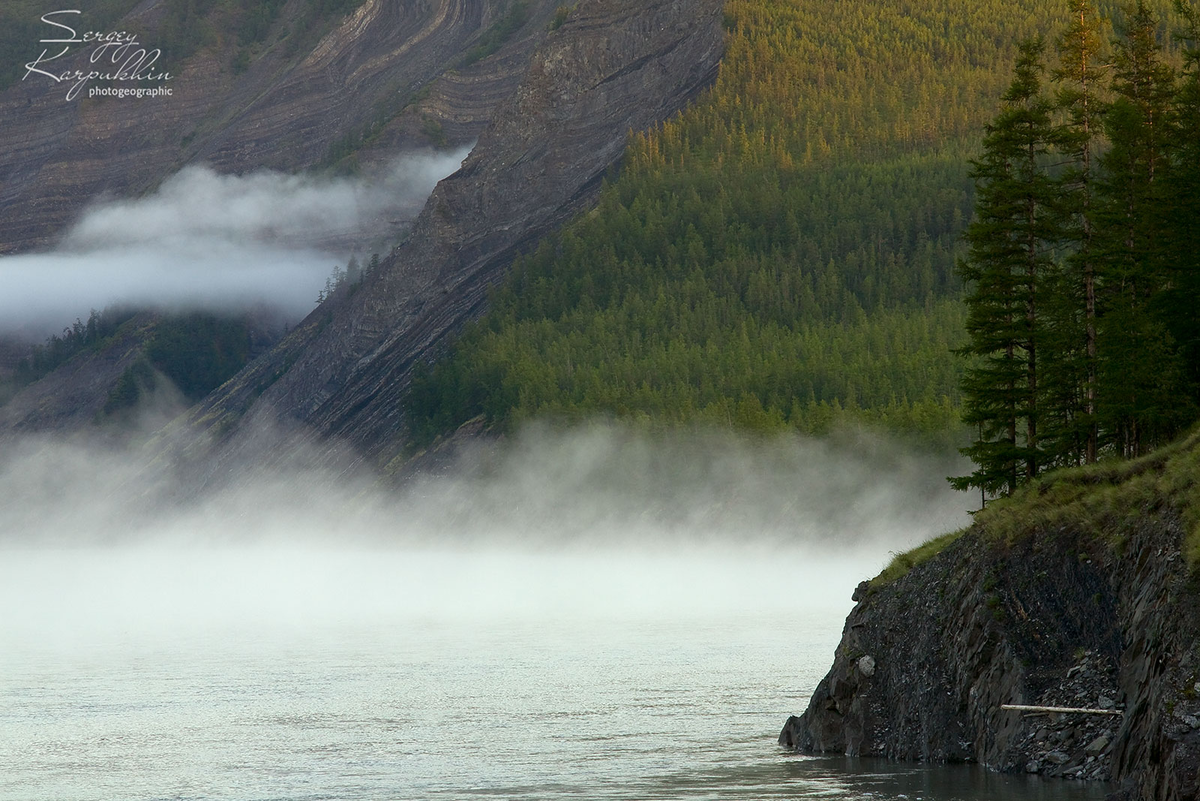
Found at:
<point>1060,618</point>
<point>615,66</point>
<point>283,113</point>
<point>548,127</point>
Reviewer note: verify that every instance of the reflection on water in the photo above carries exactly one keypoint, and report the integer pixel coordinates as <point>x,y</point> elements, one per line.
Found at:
<point>404,692</point>
<point>874,778</point>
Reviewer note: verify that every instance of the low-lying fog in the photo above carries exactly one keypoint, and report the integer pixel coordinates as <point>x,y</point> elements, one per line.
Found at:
<point>603,612</point>
<point>600,522</point>
<point>214,242</point>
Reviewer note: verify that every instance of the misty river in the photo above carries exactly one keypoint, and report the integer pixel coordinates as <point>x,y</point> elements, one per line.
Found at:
<point>603,613</point>
<point>368,674</point>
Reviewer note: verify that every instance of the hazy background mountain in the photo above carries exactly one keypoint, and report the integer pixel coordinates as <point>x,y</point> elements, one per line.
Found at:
<point>779,256</point>
<point>298,135</point>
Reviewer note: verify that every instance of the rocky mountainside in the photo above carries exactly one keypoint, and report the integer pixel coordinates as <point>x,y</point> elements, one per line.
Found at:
<point>551,103</point>
<point>1079,593</point>
<point>387,79</point>
<point>393,68</point>
<point>613,67</point>
<point>112,381</point>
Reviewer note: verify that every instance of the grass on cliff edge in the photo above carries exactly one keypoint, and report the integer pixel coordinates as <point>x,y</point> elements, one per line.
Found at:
<point>1104,498</point>
<point>903,562</point>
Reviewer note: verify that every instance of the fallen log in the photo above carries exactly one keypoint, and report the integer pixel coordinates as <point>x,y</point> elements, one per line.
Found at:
<point>1060,709</point>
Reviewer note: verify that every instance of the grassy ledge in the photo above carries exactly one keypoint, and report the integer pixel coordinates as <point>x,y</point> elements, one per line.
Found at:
<point>903,562</point>
<point>1103,499</point>
<point>1107,498</point>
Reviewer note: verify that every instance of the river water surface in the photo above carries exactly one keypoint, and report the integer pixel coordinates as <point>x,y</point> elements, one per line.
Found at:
<point>385,674</point>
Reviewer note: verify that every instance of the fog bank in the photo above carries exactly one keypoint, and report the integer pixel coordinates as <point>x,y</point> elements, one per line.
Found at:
<point>600,484</point>
<point>215,242</point>
<point>597,523</point>
<point>82,596</point>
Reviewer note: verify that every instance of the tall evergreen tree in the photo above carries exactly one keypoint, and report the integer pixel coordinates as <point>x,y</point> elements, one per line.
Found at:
<point>1071,431</point>
<point>1011,244</point>
<point>1140,373</point>
<point>1181,301</point>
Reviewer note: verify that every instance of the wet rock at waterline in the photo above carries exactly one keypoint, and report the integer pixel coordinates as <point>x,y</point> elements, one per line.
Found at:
<point>1074,615</point>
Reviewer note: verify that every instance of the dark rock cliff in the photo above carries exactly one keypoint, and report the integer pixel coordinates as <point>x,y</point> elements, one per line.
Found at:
<point>1076,595</point>
<point>615,66</point>
<point>391,60</point>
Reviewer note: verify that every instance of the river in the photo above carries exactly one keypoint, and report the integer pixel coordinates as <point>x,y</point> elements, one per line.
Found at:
<point>400,673</point>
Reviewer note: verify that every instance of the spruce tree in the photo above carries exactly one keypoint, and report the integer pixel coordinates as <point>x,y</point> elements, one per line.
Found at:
<point>1181,301</point>
<point>1011,243</point>
<point>1071,433</point>
<point>1140,375</point>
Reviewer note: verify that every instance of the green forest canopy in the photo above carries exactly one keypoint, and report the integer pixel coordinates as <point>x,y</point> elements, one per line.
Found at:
<point>781,254</point>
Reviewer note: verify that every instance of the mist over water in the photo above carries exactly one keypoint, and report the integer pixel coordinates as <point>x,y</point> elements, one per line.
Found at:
<point>603,484</point>
<point>215,242</point>
<point>604,612</point>
<point>596,523</point>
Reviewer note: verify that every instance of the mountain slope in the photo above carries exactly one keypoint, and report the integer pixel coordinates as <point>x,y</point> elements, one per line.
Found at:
<point>782,254</point>
<point>612,67</point>
<point>779,255</point>
<point>368,82</point>
<point>319,84</point>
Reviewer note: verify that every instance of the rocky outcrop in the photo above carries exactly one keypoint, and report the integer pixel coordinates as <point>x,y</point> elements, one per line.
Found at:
<point>1080,603</point>
<point>615,66</point>
<point>391,60</point>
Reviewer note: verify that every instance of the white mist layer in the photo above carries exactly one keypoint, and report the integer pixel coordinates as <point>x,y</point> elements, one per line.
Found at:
<point>48,291</point>
<point>93,597</point>
<point>213,242</point>
<point>199,204</point>
<point>597,523</point>
<point>697,486</point>
<point>598,485</point>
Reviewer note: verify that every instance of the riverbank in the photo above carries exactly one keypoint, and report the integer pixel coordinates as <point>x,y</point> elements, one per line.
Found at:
<point>1078,592</point>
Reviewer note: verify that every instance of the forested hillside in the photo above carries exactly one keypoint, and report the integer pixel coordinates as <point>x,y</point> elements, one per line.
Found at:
<point>780,255</point>
<point>196,350</point>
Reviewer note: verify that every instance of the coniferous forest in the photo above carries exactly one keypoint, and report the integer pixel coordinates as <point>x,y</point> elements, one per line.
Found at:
<point>1083,268</point>
<point>781,255</point>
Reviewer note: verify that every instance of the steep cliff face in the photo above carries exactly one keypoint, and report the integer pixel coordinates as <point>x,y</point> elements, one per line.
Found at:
<point>388,68</point>
<point>1077,594</point>
<point>615,66</point>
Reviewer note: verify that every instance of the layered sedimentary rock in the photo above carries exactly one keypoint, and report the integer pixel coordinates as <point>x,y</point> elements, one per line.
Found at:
<point>392,60</point>
<point>615,66</point>
<point>1087,604</point>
